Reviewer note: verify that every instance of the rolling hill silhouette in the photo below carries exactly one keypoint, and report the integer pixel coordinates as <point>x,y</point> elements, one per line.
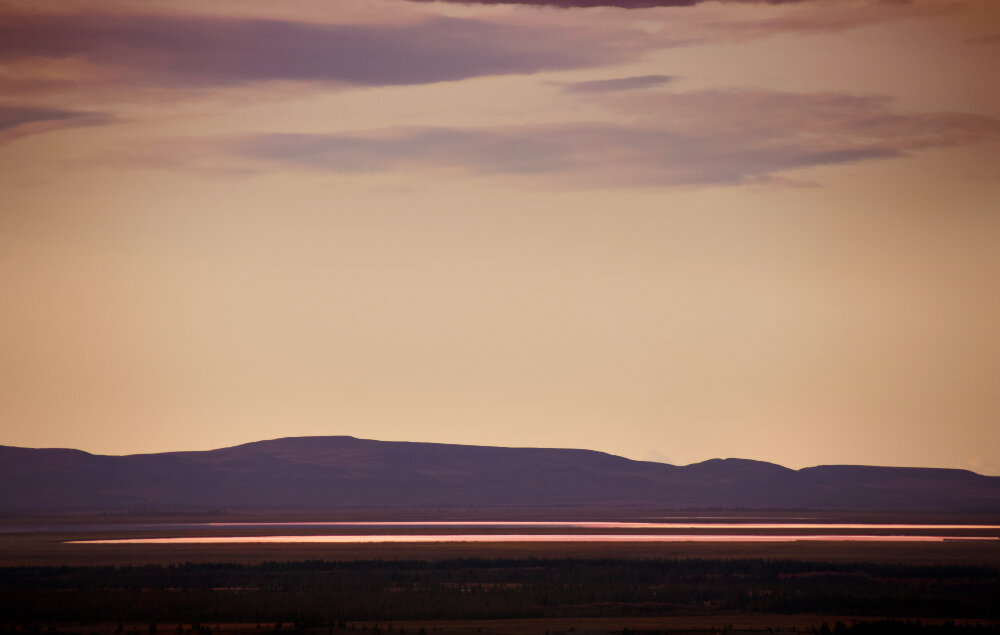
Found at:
<point>340,471</point>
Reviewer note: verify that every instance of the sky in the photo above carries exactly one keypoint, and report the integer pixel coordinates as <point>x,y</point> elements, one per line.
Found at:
<point>667,229</point>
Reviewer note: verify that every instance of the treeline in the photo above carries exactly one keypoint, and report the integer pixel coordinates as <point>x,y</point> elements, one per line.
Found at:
<point>907,627</point>
<point>329,592</point>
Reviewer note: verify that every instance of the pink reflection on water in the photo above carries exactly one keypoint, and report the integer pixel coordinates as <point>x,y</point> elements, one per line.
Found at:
<point>522,538</point>
<point>600,525</point>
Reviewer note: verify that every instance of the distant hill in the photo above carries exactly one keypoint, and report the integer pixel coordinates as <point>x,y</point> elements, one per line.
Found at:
<point>338,471</point>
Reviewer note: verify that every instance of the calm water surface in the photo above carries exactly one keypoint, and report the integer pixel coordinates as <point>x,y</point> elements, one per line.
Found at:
<point>602,525</point>
<point>675,525</point>
<point>527,538</point>
<point>547,531</point>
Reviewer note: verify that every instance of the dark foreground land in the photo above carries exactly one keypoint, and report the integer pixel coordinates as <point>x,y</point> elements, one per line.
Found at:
<point>47,585</point>
<point>499,595</point>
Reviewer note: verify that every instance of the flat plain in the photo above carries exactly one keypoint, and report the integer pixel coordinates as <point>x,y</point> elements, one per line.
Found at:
<point>502,587</point>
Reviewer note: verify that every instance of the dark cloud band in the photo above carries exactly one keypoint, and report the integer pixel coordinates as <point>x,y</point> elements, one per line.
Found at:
<point>13,117</point>
<point>186,51</point>
<point>19,121</point>
<point>617,84</point>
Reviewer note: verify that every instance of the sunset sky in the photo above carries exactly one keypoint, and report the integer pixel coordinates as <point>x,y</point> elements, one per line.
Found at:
<point>668,229</point>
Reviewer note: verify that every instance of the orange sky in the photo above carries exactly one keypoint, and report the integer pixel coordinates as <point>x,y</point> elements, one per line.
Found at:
<point>673,233</point>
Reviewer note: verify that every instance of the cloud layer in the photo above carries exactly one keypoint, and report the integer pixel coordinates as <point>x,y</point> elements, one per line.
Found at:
<point>19,121</point>
<point>702,138</point>
<point>11,117</point>
<point>200,51</point>
<point>621,4</point>
<point>617,84</point>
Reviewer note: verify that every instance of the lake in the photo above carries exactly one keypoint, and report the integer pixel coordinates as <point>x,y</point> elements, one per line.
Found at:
<point>348,532</point>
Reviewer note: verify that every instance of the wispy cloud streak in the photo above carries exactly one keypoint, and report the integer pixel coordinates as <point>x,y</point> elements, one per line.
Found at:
<point>621,4</point>
<point>193,51</point>
<point>21,121</point>
<point>709,138</point>
<point>617,84</point>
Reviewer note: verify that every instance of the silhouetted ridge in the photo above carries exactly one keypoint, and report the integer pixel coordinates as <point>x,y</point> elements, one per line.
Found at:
<point>343,471</point>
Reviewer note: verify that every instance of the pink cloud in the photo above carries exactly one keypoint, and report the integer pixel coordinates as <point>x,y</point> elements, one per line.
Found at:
<point>21,121</point>
<point>189,51</point>
<point>701,138</point>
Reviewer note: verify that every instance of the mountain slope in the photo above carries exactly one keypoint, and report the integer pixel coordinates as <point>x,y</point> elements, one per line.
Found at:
<point>330,472</point>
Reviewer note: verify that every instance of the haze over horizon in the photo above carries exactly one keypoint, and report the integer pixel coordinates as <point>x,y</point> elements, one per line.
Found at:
<point>670,230</point>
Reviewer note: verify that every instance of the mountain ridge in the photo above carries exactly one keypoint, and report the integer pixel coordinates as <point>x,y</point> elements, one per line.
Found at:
<point>343,471</point>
